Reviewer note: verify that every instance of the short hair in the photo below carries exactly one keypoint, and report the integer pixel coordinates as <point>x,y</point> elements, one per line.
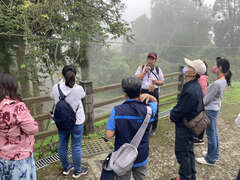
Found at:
<point>131,86</point>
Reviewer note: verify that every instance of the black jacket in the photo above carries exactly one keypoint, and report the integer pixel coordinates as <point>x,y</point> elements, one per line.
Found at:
<point>189,104</point>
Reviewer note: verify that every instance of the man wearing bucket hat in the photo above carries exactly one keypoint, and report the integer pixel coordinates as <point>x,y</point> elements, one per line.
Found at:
<point>152,78</point>
<point>189,105</point>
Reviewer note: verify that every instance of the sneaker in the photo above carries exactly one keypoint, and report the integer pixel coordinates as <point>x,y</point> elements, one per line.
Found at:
<point>153,133</point>
<point>203,161</point>
<point>197,141</point>
<point>79,174</point>
<point>204,153</point>
<point>67,171</point>
<point>177,178</point>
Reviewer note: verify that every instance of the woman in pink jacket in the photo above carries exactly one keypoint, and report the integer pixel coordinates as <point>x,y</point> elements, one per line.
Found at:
<point>17,129</point>
<point>203,81</point>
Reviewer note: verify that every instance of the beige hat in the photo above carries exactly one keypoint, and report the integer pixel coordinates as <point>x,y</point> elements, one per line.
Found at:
<point>198,65</point>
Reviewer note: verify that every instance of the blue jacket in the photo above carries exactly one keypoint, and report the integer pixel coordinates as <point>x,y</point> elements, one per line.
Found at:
<point>125,120</point>
<point>189,105</point>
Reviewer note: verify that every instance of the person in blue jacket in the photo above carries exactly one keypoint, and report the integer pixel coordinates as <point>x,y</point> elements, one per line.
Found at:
<point>189,105</point>
<point>124,122</point>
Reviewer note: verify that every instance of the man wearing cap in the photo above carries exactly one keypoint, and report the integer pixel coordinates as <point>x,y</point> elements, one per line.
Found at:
<point>189,105</point>
<point>152,78</point>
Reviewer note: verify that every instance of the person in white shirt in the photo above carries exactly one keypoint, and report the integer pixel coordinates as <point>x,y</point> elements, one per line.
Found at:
<point>152,77</point>
<point>74,94</point>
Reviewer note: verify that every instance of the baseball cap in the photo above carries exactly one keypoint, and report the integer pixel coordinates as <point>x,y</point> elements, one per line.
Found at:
<point>152,55</point>
<point>198,65</point>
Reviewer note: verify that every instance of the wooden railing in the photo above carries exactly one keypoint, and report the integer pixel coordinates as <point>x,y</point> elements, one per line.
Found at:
<point>89,105</point>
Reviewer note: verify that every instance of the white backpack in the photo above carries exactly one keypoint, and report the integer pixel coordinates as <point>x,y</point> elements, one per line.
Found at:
<point>121,161</point>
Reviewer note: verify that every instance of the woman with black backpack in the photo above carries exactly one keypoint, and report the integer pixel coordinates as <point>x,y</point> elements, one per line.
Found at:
<point>69,117</point>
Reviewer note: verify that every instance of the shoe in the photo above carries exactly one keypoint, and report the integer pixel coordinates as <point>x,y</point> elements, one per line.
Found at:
<point>203,161</point>
<point>67,171</point>
<point>153,133</point>
<point>197,141</point>
<point>84,171</point>
<point>177,178</point>
<point>204,153</point>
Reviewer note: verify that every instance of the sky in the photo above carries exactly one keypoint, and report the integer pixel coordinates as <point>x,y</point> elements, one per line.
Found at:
<point>136,8</point>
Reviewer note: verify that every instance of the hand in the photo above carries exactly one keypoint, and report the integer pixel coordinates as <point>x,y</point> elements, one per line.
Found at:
<point>147,68</point>
<point>169,119</point>
<point>144,98</point>
<point>147,97</point>
<point>154,81</point>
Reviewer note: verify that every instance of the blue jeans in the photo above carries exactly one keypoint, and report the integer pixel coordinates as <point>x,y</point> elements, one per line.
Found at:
<point>21,169</point>
<point>76,143</point>
<point>212,136</point>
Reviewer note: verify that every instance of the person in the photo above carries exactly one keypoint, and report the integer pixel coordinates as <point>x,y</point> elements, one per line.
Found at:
<point>74,94</point>
<point>124,122</point>
<point>189,105</point>
<point>17,129</point>
<point>203,81</point>
<point>152,78</point>
<point>212,102</point>
<point>237,121</point>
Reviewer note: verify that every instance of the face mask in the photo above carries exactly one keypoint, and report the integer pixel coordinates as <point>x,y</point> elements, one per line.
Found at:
<point>214,70</point>
<point>184,70</point>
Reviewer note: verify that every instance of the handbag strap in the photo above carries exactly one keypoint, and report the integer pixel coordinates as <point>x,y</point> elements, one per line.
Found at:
<point>139,135</point>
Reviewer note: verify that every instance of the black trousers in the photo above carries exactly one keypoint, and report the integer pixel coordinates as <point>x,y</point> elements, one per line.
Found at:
<point>155,93</point>
<point>238,176</point>
<point>185,154</point>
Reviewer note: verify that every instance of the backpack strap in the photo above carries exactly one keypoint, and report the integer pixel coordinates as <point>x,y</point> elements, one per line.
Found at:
<point>139,135</point>
<point>62,96</point>
<point>143,67</point>
<point>157,70</point>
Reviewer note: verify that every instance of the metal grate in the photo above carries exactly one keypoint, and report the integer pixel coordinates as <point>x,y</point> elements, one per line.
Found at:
<point>90,148</point>
<point>95,147</point>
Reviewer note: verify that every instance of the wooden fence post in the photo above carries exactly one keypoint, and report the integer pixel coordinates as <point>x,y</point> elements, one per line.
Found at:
<point>180,79</point>
<point>88,106</point>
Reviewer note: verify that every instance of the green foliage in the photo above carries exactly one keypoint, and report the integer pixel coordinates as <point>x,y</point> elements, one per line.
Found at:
<point>232,95</point>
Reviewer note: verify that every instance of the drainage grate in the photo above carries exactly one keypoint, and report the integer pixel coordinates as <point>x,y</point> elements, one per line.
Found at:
<point>90,148</point>
<point>95,147</point>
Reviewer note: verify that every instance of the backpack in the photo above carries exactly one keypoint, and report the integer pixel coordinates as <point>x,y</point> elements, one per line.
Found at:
<point>121,161</point>
<point>64,116</point>
<point>157,70</point>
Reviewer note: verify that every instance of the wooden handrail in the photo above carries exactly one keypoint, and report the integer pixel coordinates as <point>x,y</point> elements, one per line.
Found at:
<point>172,74</point>
<point>43,134</point>
<point>35,100</point>
<point>101,117</point>
<point>170,84</point>
<point>113,86</point>
<point>110,101</point>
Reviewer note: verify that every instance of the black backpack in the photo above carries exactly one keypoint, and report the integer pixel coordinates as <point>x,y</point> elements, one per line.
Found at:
<point>64,116</point>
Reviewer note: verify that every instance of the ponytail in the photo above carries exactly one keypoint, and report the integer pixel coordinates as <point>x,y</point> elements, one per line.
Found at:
<point>228,76</point>
<point>69,74</point>
<point>225,65</point>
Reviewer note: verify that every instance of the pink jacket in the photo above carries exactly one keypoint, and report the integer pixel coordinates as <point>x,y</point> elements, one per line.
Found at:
<point>203,81</point>
<point>17,129</point>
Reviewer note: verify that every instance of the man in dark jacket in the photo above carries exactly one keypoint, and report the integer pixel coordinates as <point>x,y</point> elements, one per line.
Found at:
<point>189,105</point>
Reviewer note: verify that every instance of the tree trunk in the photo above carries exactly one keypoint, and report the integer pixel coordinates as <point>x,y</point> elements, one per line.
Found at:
<point>6,59</point>
<point>38,108</point>
<point>22,68</point>
<point>83,60</point>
